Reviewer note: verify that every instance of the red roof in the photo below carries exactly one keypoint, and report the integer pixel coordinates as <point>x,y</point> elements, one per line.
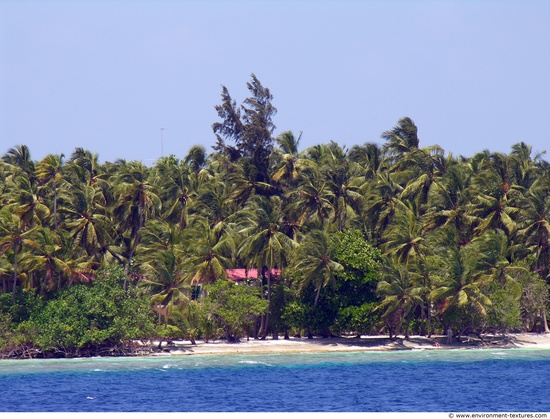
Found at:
<point>238,275</point>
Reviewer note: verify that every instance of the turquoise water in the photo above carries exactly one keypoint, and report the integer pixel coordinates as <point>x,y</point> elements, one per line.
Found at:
<point>442,380</point>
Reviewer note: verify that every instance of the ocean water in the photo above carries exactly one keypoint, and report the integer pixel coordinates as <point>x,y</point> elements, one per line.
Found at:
<point>410,381</point>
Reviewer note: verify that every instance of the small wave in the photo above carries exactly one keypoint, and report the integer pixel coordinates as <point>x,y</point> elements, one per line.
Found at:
<point>90,398</point>
<point>256,363</point>
<point>97,369</point>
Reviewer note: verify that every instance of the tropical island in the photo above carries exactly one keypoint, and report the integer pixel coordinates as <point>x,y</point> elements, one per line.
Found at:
<point>262,242</point>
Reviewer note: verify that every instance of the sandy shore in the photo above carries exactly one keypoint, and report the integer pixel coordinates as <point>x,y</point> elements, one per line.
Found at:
<point>353,344</point>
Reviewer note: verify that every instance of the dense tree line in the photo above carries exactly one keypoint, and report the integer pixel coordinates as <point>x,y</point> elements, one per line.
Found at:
<point>394,238</point>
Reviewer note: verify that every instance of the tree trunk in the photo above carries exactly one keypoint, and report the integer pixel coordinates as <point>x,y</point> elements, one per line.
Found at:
<point>544,325</point>
<point>55,204</point>
<point>266,325</point>
<point>14,273</point>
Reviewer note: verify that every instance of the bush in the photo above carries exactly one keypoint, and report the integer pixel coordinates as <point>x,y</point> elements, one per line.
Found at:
<point>85,317</point>
<point>235,307</point>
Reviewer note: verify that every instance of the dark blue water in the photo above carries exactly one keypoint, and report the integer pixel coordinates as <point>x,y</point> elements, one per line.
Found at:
<point>474,380</point>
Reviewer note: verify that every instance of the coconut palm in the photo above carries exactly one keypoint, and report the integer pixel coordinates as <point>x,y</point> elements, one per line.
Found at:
<point>210,252</point>
<point>381,203</point>
<point>344,180</point>
<point>370,157</point>
<point>400,140</point>
<point>459,282</point>
<point>26,204</point>
<point>493,261</point>
<point>13,238</point>
<point>401,294</point>
<point>46,260</point>
<point>196,158</point>
<point>423,169</point>
<point>48,171</point>
<point>264,244</point>
<point>165,278</point>
<point>406,242</point>
<point>314,262</point>
<point>314,199</point>
<point>20,157</point>
<point>526,168</point>
<point>137,202</point>
<point>534,224</point>
<point>450,204</point>
<point>176,184</point>
<point>86,217</point>
<point>288,164</point>
<point>491,206</point>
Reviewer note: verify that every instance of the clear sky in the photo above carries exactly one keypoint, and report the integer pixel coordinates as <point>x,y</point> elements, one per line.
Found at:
<point>108,75</point>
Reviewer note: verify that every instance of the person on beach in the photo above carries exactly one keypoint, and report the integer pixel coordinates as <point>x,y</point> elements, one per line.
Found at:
<point>436,343</point>
<point>449,335</point>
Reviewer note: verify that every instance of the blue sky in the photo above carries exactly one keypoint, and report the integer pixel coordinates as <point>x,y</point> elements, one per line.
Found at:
<point>108,75</point>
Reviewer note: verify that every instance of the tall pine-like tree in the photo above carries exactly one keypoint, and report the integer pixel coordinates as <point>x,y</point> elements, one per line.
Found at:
<point>249,127</point>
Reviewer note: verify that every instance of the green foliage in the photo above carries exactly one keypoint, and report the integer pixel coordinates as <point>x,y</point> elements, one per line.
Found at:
<point>356,285</point>
<point>470,236</point>
<point>504,314</point>
<point>26,303</point>
<point>235,307</point>
<point>357,319</point>
<point>354,252</point>
<point>295,314</point>
<point>90,316</point>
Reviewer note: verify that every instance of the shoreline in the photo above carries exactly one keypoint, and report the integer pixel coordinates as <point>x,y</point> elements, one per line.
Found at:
<point>353,344</point>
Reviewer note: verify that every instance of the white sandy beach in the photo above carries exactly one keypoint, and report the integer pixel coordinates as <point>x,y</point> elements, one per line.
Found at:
<point>354,344</point>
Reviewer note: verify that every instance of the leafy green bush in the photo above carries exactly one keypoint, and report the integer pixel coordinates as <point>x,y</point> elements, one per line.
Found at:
<point>88,316</point>
<point>235,307</point>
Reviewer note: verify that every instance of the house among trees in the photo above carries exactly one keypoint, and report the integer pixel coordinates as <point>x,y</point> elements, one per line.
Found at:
<point>239,276</point>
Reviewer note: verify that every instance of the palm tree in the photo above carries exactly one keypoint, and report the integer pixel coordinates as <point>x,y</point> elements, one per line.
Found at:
<point>370,157</point>
<point>450,204</point>
<point>493,261</point>
<point>13,238</point>
<point>87,218</point>
<point>137,202</point>
<point>314,262</point>
<point>20,157</point>
<point>402,139</point>
<point>176,184</point>
<point>164,278</point>
<point>210,252</point>
<point>491,206</point>
<point>405,240</point>
<point>423,169</point>
<point>314,199</point>
<point>24,202</point>
<point>214,201</point>
<point>48,170</point>
<point>244,182</point>
<point>264,244</point>
<point>196,158</point>
<point>460,282</point>
<point>159,235</point>
<point>344,180</point>
<point>535,224</point>
<point>401,294</point>
<point>526,169</point>
<point>288,164</point>
<point>382,200</point>
<point>46,260</point>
